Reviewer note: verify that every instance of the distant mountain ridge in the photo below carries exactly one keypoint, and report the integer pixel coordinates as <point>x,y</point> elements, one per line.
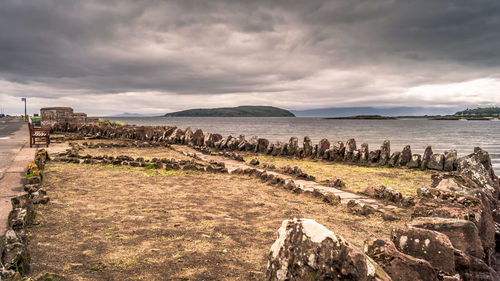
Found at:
<point>128,114</point>
<point>240,111</point>
<point>383,111</point>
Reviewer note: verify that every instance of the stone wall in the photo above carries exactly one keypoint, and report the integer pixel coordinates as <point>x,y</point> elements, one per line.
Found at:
<point>14,255</point>
<point>348,152</point>
<point>55,115</point>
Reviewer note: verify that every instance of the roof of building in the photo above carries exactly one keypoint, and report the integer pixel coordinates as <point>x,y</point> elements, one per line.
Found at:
<point>56,108</point>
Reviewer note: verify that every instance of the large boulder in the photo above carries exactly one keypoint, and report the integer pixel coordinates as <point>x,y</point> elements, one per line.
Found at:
<point>306,250</point>
<point>478,170</point>
<point>323,146</point>
<point>399,266</point>
<point>197,138</point>
<point>374,156</point>
<point>307,146</point>
<point>293,146</point>
<point>210,139</point>
<point>415,161</point>
<point>436,162</point>
<point>450,160</point>
<point>188,135</point>
<point>176,136</point>
<point>364,153</point>
<point>429,245</point>
<point>393,161</point>
<point>463,234</point>
<point>405,157</point>
<point>350,147</point>
<point>426,158</point>
<point>471,268</point>
<point>262,145</point>
<point>338,151</point>
<point>385,153</point>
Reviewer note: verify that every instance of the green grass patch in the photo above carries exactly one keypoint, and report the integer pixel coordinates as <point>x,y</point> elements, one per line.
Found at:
<point>357,178</point>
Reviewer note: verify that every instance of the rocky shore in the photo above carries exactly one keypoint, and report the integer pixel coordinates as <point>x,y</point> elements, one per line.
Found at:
<point>453,234</point>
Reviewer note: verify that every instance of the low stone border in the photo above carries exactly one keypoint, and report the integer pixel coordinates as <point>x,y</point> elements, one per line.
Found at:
<point>339,151</point>
<point>14,256</point>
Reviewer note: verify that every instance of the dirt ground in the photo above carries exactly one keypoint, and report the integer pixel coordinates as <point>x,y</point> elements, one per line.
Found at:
<point>356,178</point>
<point>124,223</point>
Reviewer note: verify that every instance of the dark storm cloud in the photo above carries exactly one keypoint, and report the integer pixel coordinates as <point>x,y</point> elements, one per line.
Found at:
<point>350,51</point>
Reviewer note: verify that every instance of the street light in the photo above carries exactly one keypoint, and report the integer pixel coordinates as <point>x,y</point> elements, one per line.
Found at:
<point>24,99</point>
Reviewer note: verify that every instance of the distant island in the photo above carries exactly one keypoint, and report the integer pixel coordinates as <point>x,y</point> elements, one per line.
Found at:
<point>240,111</point>
<point>480,111</point>
<point>365,117</point>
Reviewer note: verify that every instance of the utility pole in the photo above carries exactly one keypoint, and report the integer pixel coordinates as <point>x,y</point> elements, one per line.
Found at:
<point>25,118</point>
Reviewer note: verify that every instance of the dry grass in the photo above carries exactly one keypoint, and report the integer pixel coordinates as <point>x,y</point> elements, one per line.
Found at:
<point>123,223</point>
<point>356,178</point>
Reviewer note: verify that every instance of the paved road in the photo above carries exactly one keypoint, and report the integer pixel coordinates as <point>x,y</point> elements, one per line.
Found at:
<point>13,135</point>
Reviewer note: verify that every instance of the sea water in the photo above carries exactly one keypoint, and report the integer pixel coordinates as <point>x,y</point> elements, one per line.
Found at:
<point>418,133</point>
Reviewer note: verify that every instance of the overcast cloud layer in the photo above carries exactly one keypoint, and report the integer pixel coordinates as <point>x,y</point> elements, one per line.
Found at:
<point>107,57</point>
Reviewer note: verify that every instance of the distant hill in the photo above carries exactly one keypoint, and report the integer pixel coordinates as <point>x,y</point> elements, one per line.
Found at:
<point>384,111</point>
<point>127,114</point>
<point>483,111</point>
<point>240,111</point>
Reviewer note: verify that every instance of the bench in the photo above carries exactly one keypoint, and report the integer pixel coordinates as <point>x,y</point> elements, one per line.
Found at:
<point>40,134</point>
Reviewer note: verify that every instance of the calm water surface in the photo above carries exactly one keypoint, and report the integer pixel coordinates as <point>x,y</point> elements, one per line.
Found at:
<point>441,135</point>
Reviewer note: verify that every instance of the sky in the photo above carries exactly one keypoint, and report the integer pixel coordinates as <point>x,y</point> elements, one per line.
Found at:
<point>153,57</point>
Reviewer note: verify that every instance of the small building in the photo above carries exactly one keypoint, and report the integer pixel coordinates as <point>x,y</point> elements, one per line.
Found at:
<point>52,115</point>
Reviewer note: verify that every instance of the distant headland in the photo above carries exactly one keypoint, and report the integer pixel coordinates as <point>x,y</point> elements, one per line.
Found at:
<point>365,117</point>
<point>240,111</point>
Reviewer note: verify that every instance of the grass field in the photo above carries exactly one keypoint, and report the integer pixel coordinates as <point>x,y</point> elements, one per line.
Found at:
<point>124,223</point>
<point>356,178</point>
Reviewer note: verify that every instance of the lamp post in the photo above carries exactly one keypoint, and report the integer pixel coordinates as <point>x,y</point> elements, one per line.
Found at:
<point>24,99</point>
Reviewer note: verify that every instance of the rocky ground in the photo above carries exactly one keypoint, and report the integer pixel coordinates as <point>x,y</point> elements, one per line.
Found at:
<point>116,222</point>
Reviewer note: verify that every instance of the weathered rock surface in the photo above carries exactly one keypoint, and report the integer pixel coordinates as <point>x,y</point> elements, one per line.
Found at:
<point>432,246</point>
<point>364,153</point>
<point>307,146</point>
<point>337,153</point>
<point>404,157</point>
<point>306,250</point>
<point>262,145</point>
<point>415,161</point>
<point>399,266</point>
<point>374,156</point>
<point>463,234</point>
<point>385,153</point>
<point>393,161</point>
<point>436,162</point>
<point>426,158</point>
<point>473,269</point>
<point>450,159</point>
<point>323,146</point>
<point>350,147</point>
<point>293,146</point>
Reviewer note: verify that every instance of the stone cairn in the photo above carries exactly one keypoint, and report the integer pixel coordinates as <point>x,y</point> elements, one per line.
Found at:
<point>14,255</point>
<point>453,235</point>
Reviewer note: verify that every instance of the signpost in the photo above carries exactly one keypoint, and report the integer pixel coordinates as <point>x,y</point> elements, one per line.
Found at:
<point>25,116</point>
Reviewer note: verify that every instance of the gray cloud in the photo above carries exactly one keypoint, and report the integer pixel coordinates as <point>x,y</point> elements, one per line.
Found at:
<point>295,54</point>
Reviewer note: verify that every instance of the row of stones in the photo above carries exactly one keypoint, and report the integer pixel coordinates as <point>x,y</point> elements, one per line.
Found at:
<point>339,151</point>
<point>14,255</point>
<point>72,156</point>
